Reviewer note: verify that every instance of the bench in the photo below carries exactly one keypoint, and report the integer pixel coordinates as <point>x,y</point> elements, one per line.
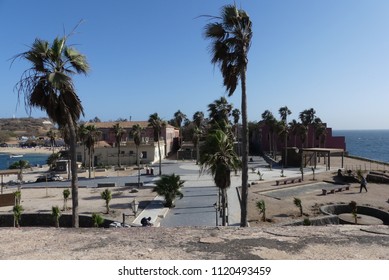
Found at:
<point>106,185</point>
<point>335,189</point>
<point>7,199</point>
<point>288,180</point>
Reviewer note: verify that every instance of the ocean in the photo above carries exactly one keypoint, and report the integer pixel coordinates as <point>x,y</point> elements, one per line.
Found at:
<point>33,159</point>
<point>370,144</point>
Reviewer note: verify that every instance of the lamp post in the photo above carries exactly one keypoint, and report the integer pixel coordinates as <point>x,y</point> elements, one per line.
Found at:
<point>134,208</point>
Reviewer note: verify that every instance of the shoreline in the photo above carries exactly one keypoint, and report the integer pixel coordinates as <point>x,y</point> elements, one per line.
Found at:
<point>18,151</point>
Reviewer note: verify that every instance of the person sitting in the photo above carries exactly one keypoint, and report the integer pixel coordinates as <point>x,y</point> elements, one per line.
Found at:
<point>146,222</point>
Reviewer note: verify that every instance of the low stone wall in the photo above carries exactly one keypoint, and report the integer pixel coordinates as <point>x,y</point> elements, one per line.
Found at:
<point>46,220</point>
<point>337,209</point>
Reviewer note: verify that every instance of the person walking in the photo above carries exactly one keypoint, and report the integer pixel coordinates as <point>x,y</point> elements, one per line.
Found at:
<point>363,184</point>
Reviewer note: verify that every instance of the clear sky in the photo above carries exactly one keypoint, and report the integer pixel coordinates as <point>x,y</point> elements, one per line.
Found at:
<point>151,56</point>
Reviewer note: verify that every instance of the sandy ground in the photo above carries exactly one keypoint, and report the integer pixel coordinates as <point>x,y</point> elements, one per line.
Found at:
<point>263,240</point>
<point>283,210</point>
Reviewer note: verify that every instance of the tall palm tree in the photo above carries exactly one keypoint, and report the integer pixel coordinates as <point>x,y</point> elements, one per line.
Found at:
<point>179,117</point>
<point>284,113</point>
<point>92,136</point>
<point>52,136</point>
<point>157,123</point>
<point>231,35</point>
<point>293,128</point>
<point>197,132</point>
<point>48,85</point>
<point>136,132</point>
<point>236,116</point>
<point>270,121</point>
<point>219,158</point>
<point>219,113</point>
<point>82,134</point>
<point>198,118</point>
<point>307,117</point>
<point>118,132</point>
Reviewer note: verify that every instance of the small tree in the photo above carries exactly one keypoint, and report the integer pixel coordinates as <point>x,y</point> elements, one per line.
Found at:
<point>66,194</point>
<point>18,197</point>
<point>17,210</point>
<point>169,187</point>
<point>297,202</point>
<point>107,196</point>
<point>56,214</point>
<point>97,220</point>
<point>262,209</point>
<point>353,206</point>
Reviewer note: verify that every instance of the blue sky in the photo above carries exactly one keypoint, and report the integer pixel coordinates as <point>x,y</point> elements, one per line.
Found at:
<point>151,56</point>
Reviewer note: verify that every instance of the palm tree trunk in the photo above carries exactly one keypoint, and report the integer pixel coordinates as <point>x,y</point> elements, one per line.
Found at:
<point>160,157</point>
<point>245,153</point>
<point>90,162</point>
<point>119,165</point>
<point>224,214</point>
<point>73,168</point>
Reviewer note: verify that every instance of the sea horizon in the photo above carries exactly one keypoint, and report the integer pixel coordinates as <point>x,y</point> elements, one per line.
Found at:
<point>372,144</point>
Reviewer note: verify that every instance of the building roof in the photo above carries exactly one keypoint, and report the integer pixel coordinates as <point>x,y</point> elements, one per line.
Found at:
<point>127,124</point>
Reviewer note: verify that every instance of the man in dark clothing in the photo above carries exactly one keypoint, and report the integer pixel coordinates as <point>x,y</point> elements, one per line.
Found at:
<point>363,184</point>
<point>146,222</point>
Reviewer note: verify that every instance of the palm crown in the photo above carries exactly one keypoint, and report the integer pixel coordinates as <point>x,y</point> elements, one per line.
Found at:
<point>47,84</point>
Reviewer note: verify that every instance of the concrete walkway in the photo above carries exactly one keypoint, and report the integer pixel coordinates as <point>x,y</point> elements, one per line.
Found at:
<point>157,211</point>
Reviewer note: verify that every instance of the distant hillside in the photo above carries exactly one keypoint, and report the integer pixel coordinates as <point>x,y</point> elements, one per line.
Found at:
<point>15,127</point>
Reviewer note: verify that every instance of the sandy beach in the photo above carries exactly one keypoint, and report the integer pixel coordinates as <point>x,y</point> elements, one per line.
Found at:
<point>22,151</point>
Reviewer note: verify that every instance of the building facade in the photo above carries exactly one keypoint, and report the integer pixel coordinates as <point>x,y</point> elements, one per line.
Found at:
<point>106,150</point>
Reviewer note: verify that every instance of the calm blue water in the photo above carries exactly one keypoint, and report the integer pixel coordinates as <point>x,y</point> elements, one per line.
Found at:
<point>33,159</point>
<point>371,144</point>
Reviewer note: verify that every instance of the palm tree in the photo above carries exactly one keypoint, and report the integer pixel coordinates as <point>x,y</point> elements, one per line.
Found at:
<point>236,116</point>
<point>270,121</point>
<point>91,137</point>
<point>137,135</point>
<point>231,39</point>
<point>169,186</point>
<point>118,132</point>
<point>48,85</point>
<point>218,157</point>
<point>284,113</point>
<point>107,196</point>
<point>297,202</point>
<point>52,136</point>
<point>307,117</point>
<point>17,210</point>
<point>293,128</point>
<point>82,134</point>
<point>157,123</point>
<point>97,220</point>
<point>219,113</point>
<point>66,194</point>
<point>261,206</point>
<point>197,132</point>
<point>179,117</point>
<point>56,214</point>
<point>198,118</point>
